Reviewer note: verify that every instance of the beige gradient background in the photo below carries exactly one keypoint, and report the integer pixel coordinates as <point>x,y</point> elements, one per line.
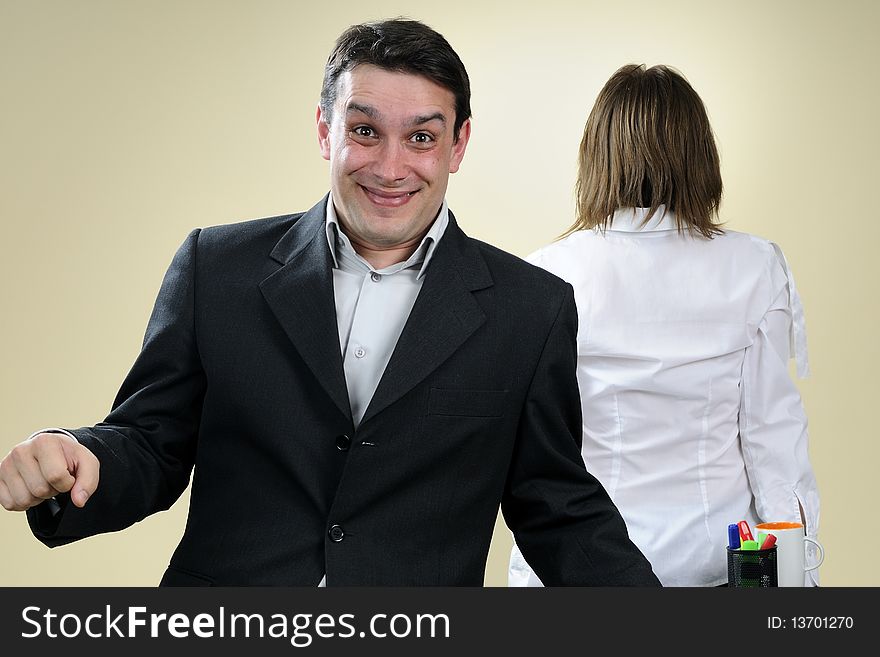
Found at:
<point>123,125</point>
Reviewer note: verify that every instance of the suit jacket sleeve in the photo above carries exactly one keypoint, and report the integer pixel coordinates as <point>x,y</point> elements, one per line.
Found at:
<point>562,518</point>
<point>146,445</point>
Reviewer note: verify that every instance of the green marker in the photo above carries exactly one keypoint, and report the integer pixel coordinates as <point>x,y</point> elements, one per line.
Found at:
<point>750,564</point>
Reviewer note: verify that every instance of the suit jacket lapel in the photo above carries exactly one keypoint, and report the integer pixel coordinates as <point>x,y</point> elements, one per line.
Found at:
<point>444,315</point>
<point>300,294</point>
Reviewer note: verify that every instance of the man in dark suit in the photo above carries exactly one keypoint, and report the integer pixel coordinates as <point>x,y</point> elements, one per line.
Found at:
<point>357,387</point>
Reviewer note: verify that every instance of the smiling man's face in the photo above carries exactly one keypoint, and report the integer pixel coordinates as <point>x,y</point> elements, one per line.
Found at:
<point>391,146</point>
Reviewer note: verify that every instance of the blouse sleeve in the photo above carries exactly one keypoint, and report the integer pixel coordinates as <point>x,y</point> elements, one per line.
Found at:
<point>519,572</point>
<point>797,337</point>
<point>772,421</point>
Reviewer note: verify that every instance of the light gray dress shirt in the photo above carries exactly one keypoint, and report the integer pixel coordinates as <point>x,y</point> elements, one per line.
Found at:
<point>372,306</point>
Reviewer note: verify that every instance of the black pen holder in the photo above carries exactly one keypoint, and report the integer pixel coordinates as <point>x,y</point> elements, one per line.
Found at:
<point>751,568</point>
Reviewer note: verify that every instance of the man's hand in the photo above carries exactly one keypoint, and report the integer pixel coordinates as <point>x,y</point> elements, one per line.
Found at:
<point>43,467</point>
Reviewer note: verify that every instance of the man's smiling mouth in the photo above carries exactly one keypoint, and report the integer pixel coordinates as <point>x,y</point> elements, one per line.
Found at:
<point>386,198</point>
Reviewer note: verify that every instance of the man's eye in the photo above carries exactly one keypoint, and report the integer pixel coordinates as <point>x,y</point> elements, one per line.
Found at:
<point>422,138</point>
<point>364,131</point>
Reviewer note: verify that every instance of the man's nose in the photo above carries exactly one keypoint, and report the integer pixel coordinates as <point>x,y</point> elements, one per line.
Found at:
<point>392,163</point>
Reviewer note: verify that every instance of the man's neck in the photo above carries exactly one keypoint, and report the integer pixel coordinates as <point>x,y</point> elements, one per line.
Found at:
<point>380,258</point>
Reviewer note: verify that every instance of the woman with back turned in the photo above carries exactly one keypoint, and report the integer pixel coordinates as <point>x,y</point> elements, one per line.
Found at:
<point>691,421</point>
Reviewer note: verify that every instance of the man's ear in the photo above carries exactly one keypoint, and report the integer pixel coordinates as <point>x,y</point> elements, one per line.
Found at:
<point>323,133</point>
<point>458,148</point>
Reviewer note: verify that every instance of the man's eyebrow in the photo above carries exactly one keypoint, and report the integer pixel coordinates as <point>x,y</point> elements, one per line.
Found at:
<point>427,118</point>
<point>369,110</point>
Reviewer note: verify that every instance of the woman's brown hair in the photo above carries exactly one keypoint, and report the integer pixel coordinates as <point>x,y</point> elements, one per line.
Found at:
<point>648,142</point>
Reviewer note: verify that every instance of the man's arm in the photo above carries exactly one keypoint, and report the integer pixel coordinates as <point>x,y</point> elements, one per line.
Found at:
<point>562,518</point>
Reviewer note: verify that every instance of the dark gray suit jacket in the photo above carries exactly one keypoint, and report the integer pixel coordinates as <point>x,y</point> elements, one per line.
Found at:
<point>241,376</point>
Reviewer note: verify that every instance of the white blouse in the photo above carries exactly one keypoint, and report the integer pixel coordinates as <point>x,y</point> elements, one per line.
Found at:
<point>690,418</point>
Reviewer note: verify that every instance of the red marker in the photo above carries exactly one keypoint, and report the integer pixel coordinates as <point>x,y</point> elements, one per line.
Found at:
<point>769,542</point>
<point>745,534</point>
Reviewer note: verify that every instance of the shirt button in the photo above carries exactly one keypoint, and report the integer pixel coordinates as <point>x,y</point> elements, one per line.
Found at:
<point>343,442</point>
<point>360,352</point>
<point>336,533</point>
<point>375,277</point>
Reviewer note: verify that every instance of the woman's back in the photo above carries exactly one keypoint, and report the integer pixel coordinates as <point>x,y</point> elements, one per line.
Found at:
<point>665,322</point>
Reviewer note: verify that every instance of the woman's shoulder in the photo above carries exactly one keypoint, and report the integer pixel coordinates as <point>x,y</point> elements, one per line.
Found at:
<point>562,249</point>
<point>746,247</point>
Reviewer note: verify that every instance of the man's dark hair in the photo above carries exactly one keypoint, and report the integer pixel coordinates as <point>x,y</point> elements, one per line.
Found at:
<point>401,45</point>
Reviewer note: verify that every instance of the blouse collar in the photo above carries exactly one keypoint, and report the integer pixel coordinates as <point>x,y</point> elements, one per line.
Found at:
<point>632,220</point>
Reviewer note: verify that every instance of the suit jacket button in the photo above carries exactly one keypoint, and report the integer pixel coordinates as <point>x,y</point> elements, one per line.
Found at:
<point>336,533</point>
<point>343,442</point>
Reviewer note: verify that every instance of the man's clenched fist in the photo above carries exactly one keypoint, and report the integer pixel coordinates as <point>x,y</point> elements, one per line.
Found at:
<point>44,466</point>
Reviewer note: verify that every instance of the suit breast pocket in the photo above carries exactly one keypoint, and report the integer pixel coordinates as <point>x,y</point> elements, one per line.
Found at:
<point>467,403</point>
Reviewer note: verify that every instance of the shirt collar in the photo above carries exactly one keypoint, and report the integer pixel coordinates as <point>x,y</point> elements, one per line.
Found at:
<point>631,220</point>
<point>345,257</point>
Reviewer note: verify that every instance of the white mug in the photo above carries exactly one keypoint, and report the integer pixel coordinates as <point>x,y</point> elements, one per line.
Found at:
<point>791,543</point>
